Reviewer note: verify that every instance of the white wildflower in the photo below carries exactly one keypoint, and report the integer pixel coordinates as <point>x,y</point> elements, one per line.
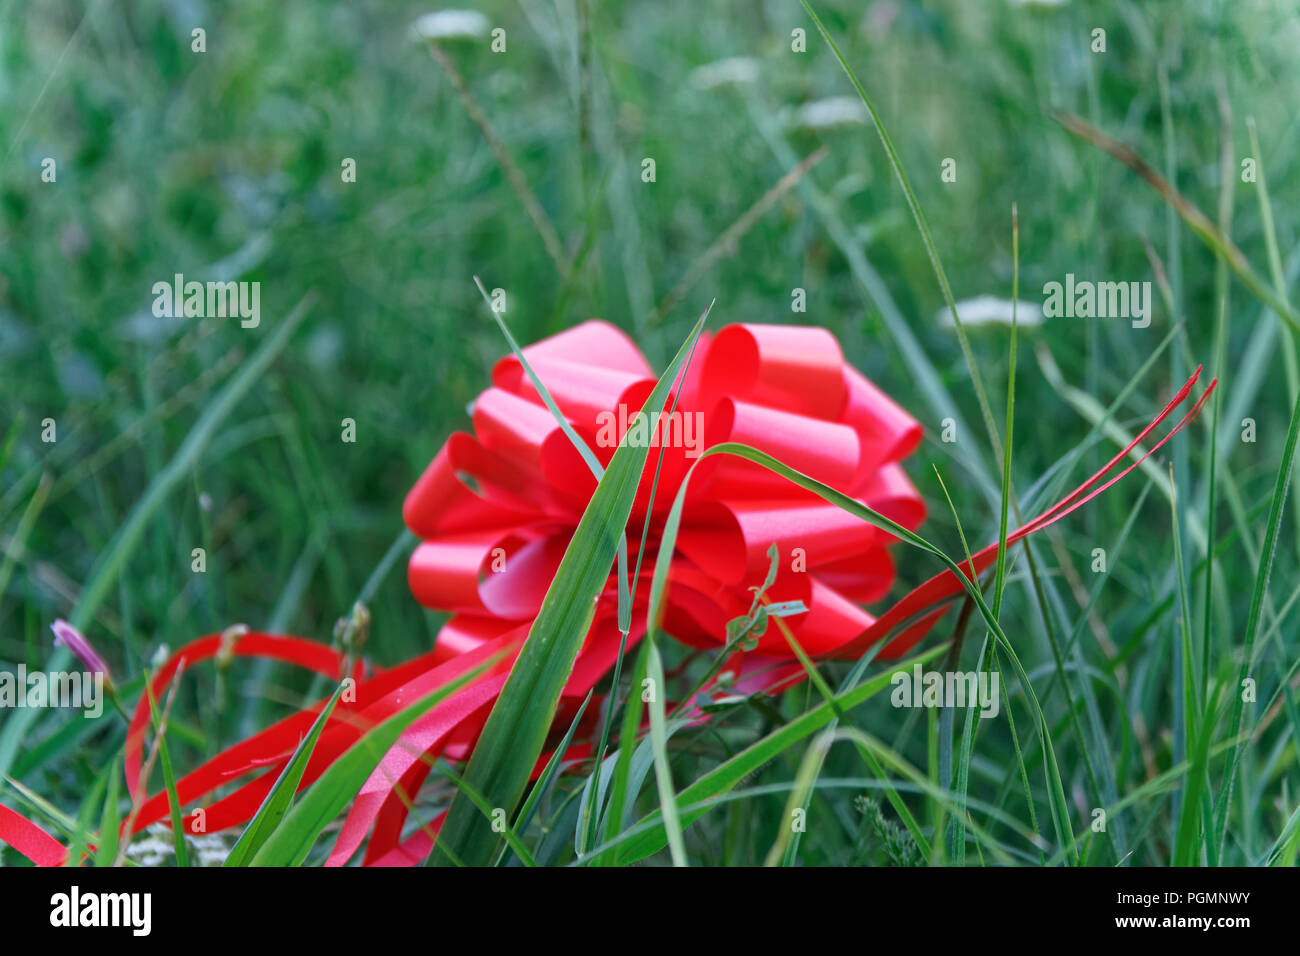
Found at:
<point>736,71</point>
<point>990,310</point>
<point>450,25</point>
<point>834,111</point>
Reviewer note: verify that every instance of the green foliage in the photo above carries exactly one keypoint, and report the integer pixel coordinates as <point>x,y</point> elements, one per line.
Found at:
<point>1125,691</point>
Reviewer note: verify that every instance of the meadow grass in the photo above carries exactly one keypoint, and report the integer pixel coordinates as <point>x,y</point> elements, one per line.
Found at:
<point>1122,685</point>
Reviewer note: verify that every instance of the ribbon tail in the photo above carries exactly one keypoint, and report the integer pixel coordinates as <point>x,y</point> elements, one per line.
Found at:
<point>30,840</point>
<point>944,588</point>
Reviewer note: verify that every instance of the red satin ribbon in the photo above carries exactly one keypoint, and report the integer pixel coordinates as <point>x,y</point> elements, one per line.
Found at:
<point>496,509</point>
<point>30,840</point>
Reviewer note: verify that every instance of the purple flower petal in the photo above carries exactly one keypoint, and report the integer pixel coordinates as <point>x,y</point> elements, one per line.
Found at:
<point>75,641</point>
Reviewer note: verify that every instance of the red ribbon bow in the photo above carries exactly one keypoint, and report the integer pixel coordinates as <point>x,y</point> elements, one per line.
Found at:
<point>490,551</point>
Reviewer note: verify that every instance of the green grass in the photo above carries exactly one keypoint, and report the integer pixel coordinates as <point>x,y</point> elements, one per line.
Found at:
<point>1122,686</point>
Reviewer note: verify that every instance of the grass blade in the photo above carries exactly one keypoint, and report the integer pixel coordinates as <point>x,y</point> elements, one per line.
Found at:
<point>169,776</point>
<point>292,840</point>
<point>278,801</point>
<point>1200,224</point>
<point>549,774</point>
<point>931,249</point>
<point>516,729</point>
<point>178,470</point>
<point>725,776</point>
<point>1275,508</point>
<point>109,823</point>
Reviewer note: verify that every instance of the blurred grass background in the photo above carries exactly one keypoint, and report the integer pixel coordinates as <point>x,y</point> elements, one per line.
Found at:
<point>228,162</point>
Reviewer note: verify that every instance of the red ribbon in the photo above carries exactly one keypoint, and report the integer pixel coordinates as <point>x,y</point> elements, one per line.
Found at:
<point>496,509</point>
<point>491,549</point>
<point>30,840</point>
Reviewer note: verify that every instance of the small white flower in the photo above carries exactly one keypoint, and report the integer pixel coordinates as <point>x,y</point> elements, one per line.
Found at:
<point>450,25</point>
<point>834,111</point>
<point>736,71</point>
<point>990,310</point>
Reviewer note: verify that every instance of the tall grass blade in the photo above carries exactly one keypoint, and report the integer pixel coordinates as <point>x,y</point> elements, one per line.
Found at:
<point>128,536</point>
<point>728,774</point>
<point>1277,504</point>
<point>292,840</point>
<point>512,738</point>
<point>278,801</point>
<point>931,249</point>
